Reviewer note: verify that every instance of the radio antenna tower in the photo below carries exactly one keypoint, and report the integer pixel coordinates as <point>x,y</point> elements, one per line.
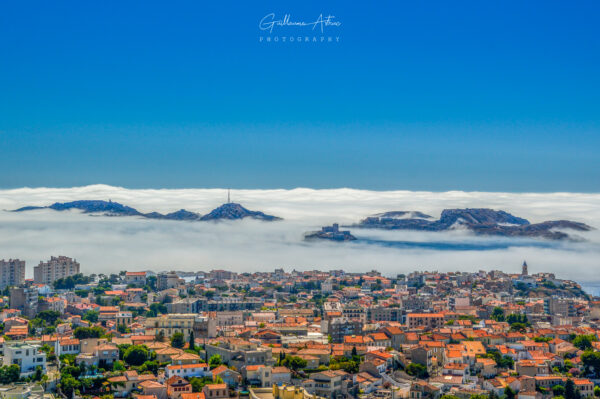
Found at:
<point>228,196</point>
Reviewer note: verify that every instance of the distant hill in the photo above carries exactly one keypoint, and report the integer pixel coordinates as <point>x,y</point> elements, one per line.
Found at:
<point>228,211</point>
<point>233,211</point>
<point>480,221</point>
<point>108,208</point>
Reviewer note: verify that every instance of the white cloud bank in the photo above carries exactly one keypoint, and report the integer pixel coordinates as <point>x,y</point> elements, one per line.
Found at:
<point>105,244</point>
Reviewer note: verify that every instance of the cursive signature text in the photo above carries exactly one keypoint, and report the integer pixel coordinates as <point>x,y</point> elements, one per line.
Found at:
<point>268,22</point>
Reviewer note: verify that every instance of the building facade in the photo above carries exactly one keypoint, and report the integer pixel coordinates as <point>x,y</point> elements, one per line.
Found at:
<point>57,267</point>
<point>28,357</point>
<point>25,300</point>
<point>12,272</point>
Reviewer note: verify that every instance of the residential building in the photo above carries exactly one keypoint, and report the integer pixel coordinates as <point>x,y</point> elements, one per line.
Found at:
<point>25,300</point>
<point>169,324</point>
<point>12,272</point>
<point>339,327</point>
<point>188,370</point>
<point>215,391</point>
<point>427,320</point>
<point>135,278</point>
<point>325,383</point>
<point>57,267</point>
<point>27,356</point>
<point>164,281</point>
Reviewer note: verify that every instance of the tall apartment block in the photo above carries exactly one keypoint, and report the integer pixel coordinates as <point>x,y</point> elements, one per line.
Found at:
<point>12,272</point>
<point>57,267</point>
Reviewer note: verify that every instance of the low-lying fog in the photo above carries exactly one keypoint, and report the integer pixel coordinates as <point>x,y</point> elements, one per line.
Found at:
<point>109,244</point>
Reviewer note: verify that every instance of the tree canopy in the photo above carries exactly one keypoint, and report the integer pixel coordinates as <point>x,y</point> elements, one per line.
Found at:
<point>136,355</point>
<point>177,340</point>
<point>88,332</point>
<point>214,361</point>
<point>69,282</point>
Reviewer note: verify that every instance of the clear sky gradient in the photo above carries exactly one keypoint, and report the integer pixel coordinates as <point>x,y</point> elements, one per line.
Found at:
<point>420,95</point>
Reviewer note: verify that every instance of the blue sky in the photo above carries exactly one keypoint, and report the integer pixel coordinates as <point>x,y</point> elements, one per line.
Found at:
<point>490,96</point>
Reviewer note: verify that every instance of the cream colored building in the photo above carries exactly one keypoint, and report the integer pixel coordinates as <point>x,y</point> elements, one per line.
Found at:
<point>12,272</point>
<point>170,324</point>
<point>281,392</point>
<point>57,267</point>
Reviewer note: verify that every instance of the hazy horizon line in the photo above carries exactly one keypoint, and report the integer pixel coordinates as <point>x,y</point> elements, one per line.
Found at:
<point>291,189</point>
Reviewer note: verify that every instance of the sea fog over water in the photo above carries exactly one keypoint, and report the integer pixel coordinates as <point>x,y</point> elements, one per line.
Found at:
<point>110,244</point>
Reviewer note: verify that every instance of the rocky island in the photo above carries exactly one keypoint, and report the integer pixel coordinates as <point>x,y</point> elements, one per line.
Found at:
<point>481,221</point>
<point>332,233</point>
<point>228,211</point>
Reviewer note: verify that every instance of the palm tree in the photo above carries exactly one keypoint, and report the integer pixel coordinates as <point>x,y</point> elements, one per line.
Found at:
<point>44,381</point>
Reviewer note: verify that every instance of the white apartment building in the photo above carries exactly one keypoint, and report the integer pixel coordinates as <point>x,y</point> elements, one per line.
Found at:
<point>188,370</point>
<point>27,356</point>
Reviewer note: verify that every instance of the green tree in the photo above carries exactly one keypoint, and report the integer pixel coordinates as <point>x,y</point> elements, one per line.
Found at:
<point>119,366</point>
<point>294,362</point>
<point>49,316</point>
<point>199,383</point>
<point>192,341</point>
<point>348,365</point>
<point>67,359</point>
<point>91,316</point>
<point>517,326</point>
<point>122,349</point>
<point>39,372</point>
<point>122,328</point>
<point>177,340</point>
<point>584,342</point>
<point>509,393</point>
<point>136,355</point>
<point>150,365</point>
<point>82,293</point>
<point>517,318</point>
<point>417,370</point>
<point>506,362</point>
<point>591,360</point>
<point>88,332</point>
<point>570,392</point>
<point>9,374</point>
<point>498,314</point>
<point>156,309</point>
<point>68,283</point>
<point>68,384</point>
<point>558,390</point>
<point>70,370</point>
<point>214,361</point>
